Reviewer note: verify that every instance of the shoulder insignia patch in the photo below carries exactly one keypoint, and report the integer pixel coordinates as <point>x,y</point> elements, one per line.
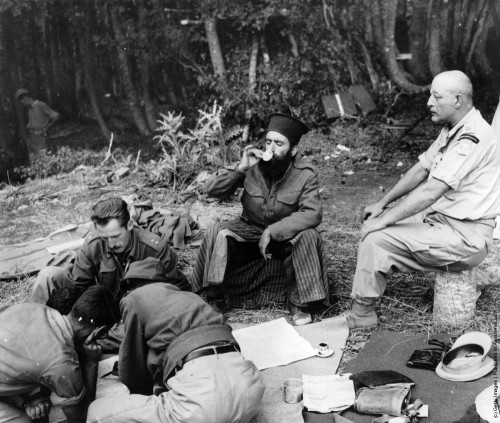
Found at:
<point>469,137</point>
<point>148,238</point>
<point>92,237</point>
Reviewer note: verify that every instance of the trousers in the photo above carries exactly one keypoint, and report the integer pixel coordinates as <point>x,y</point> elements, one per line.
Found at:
<point>229,256</point>
<point>220,388</point>
<point>427,242</point>
<point>48,279</point>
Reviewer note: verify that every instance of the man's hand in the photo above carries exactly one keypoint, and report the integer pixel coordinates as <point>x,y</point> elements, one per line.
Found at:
<point>371,225</point>
<point>91,348</point>
<point>264,241</point>
<point>251,157</point>
<point>371,211</point>
<point>37,408</point>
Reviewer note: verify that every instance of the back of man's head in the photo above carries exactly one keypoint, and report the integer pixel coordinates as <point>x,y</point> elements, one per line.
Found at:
<point>63,299</point>
<point>111,208</point>
<point>96,307</point>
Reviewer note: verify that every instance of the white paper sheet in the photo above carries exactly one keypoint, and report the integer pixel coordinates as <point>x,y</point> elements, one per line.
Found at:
<point>108,386</point>
<point>328,393</point>
<point>274,343</point>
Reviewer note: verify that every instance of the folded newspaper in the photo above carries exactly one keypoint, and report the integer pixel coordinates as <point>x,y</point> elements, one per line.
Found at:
<point>328,393</point>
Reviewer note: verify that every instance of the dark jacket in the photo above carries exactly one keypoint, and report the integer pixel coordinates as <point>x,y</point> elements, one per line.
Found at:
<point>154,316</point>
<point>95,263</point>
<point>292,205</point>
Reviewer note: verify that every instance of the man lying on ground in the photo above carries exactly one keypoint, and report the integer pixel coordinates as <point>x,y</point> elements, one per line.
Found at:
<point>107,253</point>
<point>446,220</point>
<point>178,359</point>
<point>281,207</point>
<point>39,364</point>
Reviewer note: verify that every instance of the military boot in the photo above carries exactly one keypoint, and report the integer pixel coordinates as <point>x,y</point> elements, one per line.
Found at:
<point>361,316</point>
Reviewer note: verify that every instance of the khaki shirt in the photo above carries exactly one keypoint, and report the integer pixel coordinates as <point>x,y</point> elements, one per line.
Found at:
<point>467,159</point>
<point>37,349</point>
<point>39,116</point>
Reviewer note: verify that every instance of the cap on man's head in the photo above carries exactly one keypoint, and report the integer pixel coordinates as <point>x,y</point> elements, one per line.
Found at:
<point>149,270</point>
<point>287,125</point>
<point>21,92</point>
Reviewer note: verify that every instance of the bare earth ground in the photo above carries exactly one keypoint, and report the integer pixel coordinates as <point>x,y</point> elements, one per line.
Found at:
<point>37,208</point>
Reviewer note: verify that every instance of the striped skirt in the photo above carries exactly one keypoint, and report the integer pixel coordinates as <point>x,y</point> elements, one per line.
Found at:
<point>229,256</point>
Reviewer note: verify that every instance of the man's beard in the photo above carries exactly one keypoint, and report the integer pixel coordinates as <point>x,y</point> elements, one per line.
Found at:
<point>275,168</point>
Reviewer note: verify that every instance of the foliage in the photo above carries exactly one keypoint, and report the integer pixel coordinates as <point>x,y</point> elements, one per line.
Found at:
<point>46,163</point>
<point>185,154</point>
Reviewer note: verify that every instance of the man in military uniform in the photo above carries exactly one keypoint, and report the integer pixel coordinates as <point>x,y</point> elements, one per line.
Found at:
<point>40,118</point>
<point>107,253</point>
<point>452,196</point>
<point>274,243</point>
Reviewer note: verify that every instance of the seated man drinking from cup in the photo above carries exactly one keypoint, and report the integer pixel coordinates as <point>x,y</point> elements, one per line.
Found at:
<point>274,242</point>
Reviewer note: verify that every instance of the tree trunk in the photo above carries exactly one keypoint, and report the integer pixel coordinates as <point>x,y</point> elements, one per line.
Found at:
<point>252,68</point>
<point>166,78</point>
<point>473,16</point>
<point>88,63</point>
<point>483,65</point>
<point>293,45</point>
<point>144,60</point>
<point>214,47</point>
<point>12,153</point>
<point>43,52</point>
<point>378,25</point>
<point>475,38</point>
<point>265,54</point>
<point>368,32</point>
<point>369,66</point>
<point>447,19</point>
<point>390,49</point>
<point>126,73</point>
<point>417,34</point>
<point>435,62</point>
<point>461,8</point>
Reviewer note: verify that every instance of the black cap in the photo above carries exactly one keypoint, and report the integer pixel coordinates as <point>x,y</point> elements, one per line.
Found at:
<point>287,125</point>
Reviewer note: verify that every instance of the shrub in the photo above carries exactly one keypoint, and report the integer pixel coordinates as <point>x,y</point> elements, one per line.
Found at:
<point>46,163</point>
<point>185,154</point>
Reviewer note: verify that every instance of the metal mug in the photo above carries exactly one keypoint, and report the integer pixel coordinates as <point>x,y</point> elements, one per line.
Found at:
<point>292,390</point>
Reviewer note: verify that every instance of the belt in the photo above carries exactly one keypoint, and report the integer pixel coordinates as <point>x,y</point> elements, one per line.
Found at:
<point>208,350</point>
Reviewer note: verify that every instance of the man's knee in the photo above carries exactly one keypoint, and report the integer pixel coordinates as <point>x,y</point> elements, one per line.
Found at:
<point>308,237</point>
<point>48,279</point>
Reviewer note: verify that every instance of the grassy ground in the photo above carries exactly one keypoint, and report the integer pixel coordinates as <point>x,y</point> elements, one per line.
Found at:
<point>37,208</point>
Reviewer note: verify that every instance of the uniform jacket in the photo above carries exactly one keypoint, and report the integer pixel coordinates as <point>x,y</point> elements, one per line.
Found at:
<point>95,263</point>
<point>154,316</point>
<point>292,205</point>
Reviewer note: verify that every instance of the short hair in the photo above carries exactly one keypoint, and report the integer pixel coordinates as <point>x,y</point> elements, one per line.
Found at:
<point>96,306</point>
<point>63,299</point>
<point>112,208</point>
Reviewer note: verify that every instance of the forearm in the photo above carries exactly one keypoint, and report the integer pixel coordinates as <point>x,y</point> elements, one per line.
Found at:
<point>410,180</point>
<point>418,200</point>
<point>290,226</point>
<point>50,123</point>
<point>224,183</point>
<point>89,374</point>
